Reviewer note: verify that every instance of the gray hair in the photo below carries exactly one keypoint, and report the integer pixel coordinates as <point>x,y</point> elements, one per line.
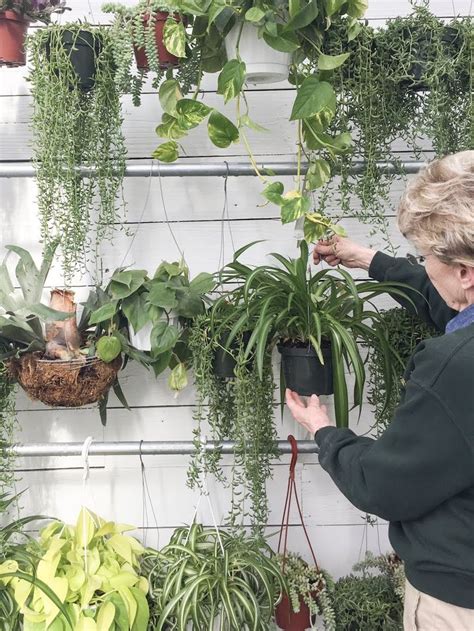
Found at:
<point>436,212</point>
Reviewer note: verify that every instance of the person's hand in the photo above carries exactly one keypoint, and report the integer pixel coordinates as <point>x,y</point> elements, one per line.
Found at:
<point>311,414</point>
<point>340,250</point>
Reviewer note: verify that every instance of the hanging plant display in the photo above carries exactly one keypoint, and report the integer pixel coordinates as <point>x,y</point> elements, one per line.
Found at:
<point>153,33</point>
<point>55,358</point>
<point>238,405</point>
<point>15,17</point>
<point>77,121</point>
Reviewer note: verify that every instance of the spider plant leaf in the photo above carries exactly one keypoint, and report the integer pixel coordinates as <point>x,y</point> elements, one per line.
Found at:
<point>238,253</point>
<point>341,403</point>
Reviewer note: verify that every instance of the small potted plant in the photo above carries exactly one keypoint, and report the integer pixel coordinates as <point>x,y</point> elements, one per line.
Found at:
<point>209,578</point>
<point>72,66</point>
<point>303,312</point>
<point>371,597</point>
<point>92,569</point>
<point>152,31</point>
<point>309,595</point>
<point>53,357</point>
<point>15,16</point>
<point>156,311</point>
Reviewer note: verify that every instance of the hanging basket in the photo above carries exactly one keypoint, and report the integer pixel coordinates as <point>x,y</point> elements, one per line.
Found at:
<point>263,63</point>
<point>165,58</point>
<point>64,383</point>
<point>303,371</point>
<point>13,29</point>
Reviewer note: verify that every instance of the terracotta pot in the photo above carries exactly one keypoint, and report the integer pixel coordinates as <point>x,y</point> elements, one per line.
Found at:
<point>166,59</point>
<point>13,29</point>
<point>288,620</point>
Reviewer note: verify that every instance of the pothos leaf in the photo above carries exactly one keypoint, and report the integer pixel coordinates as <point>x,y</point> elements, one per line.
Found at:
<point>318,174</point>
<point>231,79</point>
<point>167,152</point>
<point>294,205</point>
<point>178,378</point>
<point>313,97</point>
<point>274,192</point>
<point>169,95</point>
<point>174,37</point>
<point>330,62</point>
<point>221,130</point>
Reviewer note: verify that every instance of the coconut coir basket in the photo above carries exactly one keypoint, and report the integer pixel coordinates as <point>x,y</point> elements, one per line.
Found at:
<point>64,383</point>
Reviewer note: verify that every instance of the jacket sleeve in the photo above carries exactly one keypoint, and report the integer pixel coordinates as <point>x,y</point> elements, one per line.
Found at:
<point>429,305</point>
<point>420,461</point>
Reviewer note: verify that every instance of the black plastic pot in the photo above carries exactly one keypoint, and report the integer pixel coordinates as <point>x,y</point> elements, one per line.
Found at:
<point>82,49</point>
<point>224,362</point>
<point>303,371</point>
<point>450,38</point>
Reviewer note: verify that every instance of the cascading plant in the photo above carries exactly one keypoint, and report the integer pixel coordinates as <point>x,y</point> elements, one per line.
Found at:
<point>73,126</point>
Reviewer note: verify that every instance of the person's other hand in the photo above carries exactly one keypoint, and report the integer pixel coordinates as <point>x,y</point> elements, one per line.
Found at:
<point>340,250</point>
<point>311,414</point>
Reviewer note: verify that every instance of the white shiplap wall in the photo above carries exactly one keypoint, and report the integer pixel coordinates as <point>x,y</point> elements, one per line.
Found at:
<point>194,205</point>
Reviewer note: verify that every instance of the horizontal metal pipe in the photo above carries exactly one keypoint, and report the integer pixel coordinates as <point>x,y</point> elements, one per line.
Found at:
<point>145,448</point>
<point>184,169</point>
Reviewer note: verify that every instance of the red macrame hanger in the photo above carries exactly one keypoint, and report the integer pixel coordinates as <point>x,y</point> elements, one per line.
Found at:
<point>292,490</point>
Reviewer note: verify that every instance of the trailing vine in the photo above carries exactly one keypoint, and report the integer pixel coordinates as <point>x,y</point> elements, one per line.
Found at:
<point>405,331</point>
<point>8,426</point>
<point>74,127</point>
<point>239,409</point>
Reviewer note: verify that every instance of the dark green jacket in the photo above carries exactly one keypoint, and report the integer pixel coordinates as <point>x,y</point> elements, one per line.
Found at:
<point>420,474</point>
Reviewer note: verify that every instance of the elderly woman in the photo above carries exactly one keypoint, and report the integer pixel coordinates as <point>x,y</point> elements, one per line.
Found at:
<point>420,474</point>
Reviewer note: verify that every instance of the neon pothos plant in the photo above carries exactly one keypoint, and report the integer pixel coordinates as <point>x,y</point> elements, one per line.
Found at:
<point>17,559</point>
<point>205,577</point>
<point>289,302</point>
<point>298,27</point>
<point>91,571</point>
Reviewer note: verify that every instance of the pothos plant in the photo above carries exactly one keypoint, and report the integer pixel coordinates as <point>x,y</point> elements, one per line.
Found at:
<point>309,584</point>
<point>73,127</point>
<point>93,571</point>
<point>297,27</point>
<point>164,302</point>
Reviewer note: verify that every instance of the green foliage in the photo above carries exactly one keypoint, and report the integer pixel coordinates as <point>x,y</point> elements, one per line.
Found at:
<point>92,570</point>
<point>238,409</point>
<point>73,127</point>
<point>16,558</point>
<point>409,80</point>
<point>405,331</point>
<point>310,584</point>
<point>289,302</point>
<point>205,576</point>
<point>8,426</point>
<point>22,314</point>
<point>368,600</point>
<point>167,301</point>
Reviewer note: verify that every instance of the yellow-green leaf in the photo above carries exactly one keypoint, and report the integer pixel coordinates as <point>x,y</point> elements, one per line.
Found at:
<point>174,37</point>
<point>105,616</point>
<point>330,62</point>
<point>178,379</point>
<point>85,528</point>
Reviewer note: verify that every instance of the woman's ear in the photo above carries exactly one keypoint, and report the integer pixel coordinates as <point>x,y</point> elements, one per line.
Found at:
<point>466,277</point>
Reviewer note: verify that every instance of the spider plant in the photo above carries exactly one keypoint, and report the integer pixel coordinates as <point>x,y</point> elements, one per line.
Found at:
<point>207,576</point>
<point>289,303</point>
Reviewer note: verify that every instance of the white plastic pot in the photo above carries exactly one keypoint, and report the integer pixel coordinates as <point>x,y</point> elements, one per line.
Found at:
<point>264,64</point>
<point>141,340</point>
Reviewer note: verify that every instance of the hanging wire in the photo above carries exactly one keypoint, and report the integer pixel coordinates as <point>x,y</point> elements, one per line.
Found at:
<point>145,205</point>
<point>146,498</point>
<point>225,219</point>
<point>166,213</point>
